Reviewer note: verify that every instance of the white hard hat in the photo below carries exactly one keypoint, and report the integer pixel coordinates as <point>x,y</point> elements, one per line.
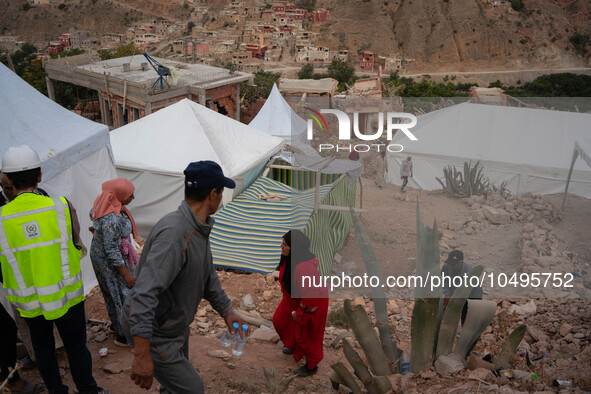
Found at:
<point>20,158</point>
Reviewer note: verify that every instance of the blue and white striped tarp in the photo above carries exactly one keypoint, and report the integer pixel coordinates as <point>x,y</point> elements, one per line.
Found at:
<point>247,232</point>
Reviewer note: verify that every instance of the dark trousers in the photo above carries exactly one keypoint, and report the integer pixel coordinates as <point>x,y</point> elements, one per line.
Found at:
<point>7,345</point>
<point>72,329</point>
<point>404,181</point>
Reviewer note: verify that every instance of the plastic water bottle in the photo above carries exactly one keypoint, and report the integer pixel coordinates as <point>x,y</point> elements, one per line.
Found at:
<point>228,337</point>
<point>238,347</point>
<point>405,363</point>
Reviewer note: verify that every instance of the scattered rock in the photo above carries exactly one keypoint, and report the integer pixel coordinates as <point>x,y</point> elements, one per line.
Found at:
<point>247,303</point>
<point>219,354</point>
<point>230,366</point>
<point>114,368</point>
<point>100,338</point>
<point>496,216</point>
<point>565,329</point>
<point>448,365</point>
<point>267,295</point>
<point>526,309</point>
<point>481,374</point>
<point>265,334</point>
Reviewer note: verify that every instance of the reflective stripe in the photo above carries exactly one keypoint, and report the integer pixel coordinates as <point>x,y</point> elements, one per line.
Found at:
<point>50,306</point>
<point>56,201</point>
<point>46,290</point>
<point>62,225</point>
<point>10,255</point>
<point>38,245</point>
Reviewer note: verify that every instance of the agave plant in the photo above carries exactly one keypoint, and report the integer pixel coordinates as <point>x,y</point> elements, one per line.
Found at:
<point>273,384</point>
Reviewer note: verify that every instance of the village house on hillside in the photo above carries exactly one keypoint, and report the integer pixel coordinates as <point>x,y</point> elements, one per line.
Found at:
<point>128,88</point>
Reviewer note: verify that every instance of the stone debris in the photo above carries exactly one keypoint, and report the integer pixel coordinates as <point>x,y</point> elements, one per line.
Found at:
<point>114,368</point>
<point>224,355</point>
<point>265,335</point>
<point>247,303</point>
<point>449,365</point>
<point>526,309</point>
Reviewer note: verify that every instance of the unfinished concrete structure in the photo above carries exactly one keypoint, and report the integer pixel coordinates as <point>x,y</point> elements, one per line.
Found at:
<point>128,87</point>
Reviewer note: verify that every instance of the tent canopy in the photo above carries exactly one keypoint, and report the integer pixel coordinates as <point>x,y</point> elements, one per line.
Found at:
<point>167,141</point>
<point>75,152</point>
<point>153,152</point>
<point>60,137</point>
<point>529,148</point>
<point>279,119</point>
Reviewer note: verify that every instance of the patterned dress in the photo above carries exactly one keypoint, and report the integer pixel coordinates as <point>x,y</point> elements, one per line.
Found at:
<point>106,256</point>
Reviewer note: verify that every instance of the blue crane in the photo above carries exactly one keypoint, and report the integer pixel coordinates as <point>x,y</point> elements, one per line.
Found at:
<point>161,70</point>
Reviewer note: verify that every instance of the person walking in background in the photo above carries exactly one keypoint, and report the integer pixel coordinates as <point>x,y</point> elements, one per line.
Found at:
<point>380,169</point>
<point>405,172</point>
<point>300,317</point>
<point>41,271</point>
<point>453,267</point>
<point>113,256</point>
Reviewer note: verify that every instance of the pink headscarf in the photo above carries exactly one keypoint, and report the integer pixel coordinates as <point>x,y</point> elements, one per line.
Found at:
<point>109,201</point>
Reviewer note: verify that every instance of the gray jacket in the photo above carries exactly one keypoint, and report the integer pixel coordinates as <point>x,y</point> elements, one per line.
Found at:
<point>175,272</point>
<point>476,292</point>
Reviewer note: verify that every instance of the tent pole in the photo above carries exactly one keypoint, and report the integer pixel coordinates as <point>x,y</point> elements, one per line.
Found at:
<point>570,171</point>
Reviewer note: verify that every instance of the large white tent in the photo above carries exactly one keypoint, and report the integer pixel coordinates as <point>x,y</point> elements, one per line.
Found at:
<point>528,148</point>
<point>75,152</point>
<point>279,119</point>
<point>153,152</point>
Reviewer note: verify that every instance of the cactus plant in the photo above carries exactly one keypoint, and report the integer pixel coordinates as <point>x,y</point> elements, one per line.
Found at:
<point>273,385</point>
<point>379,294</point>
<point>451,316</point>
<point>363,330</point>
<point>371,383</point>
<point>480,314</point>
<point>505,357</point>
<point>426,308</point>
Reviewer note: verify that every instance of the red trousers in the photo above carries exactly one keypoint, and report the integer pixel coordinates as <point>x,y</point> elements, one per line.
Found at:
<point>306,335</point>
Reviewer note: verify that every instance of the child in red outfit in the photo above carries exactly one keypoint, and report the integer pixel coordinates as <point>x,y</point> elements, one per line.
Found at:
<point>300,318</point>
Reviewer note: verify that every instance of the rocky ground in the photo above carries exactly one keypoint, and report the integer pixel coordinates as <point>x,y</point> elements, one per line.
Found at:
<point>503,234</point>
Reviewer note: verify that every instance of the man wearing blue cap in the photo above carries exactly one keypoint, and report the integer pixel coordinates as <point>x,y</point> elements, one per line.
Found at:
<point>175,272</point>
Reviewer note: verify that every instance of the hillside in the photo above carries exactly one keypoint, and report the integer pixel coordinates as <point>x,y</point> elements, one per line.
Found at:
<point>441,35</point>
<point>462,34</point>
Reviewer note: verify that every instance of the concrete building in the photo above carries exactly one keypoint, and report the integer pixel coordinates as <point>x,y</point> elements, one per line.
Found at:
<point>366,62</point>
<point>128,88</point>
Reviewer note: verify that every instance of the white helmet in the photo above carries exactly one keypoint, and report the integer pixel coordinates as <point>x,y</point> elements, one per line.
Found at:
<point>20,158</point>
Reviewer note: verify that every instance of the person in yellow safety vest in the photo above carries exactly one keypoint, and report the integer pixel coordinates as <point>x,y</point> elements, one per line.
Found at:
<point>41,271</point>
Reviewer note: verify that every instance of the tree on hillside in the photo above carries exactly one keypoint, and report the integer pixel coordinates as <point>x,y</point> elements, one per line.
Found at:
<point>21,58</point>
<point>306,72</point>
<point>120,51</point>
<point>264,83</point>
<point>341,71</point>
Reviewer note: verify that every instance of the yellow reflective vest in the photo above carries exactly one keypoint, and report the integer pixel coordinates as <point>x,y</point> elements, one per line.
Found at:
<point>40,264</point>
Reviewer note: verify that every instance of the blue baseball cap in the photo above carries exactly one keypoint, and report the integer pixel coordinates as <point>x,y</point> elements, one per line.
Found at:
<point>206,174</point>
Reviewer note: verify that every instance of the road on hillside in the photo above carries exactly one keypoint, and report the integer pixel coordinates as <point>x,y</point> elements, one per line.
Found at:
<point>456,73</point>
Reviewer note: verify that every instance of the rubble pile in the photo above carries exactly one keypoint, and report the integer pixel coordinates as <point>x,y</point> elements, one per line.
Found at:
<point>502,209</point>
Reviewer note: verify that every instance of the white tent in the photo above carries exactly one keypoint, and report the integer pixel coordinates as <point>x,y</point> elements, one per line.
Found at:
<point>279,119</point>
<point>153,152</point>
<point>75,152</point>
<point>528,148</point>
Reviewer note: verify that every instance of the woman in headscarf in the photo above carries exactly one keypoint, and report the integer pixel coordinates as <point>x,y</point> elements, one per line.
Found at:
<point>113,256</point>
<point>300,318</point>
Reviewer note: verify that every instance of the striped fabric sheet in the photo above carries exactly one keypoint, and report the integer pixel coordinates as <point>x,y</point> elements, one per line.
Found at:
<point>247,232</point>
